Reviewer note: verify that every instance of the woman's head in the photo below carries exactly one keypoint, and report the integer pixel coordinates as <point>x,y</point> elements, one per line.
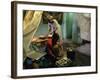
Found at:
<point>50,19</point>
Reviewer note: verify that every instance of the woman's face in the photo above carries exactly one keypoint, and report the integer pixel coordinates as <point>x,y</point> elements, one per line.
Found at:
<point>51,20</point>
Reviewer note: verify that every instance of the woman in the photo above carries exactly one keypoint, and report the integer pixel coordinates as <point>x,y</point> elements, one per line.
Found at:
<point>55,31</point>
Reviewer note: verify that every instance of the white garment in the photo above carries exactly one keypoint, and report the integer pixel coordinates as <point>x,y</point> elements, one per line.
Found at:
<point>57,27</point>
<point>52,27</point>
